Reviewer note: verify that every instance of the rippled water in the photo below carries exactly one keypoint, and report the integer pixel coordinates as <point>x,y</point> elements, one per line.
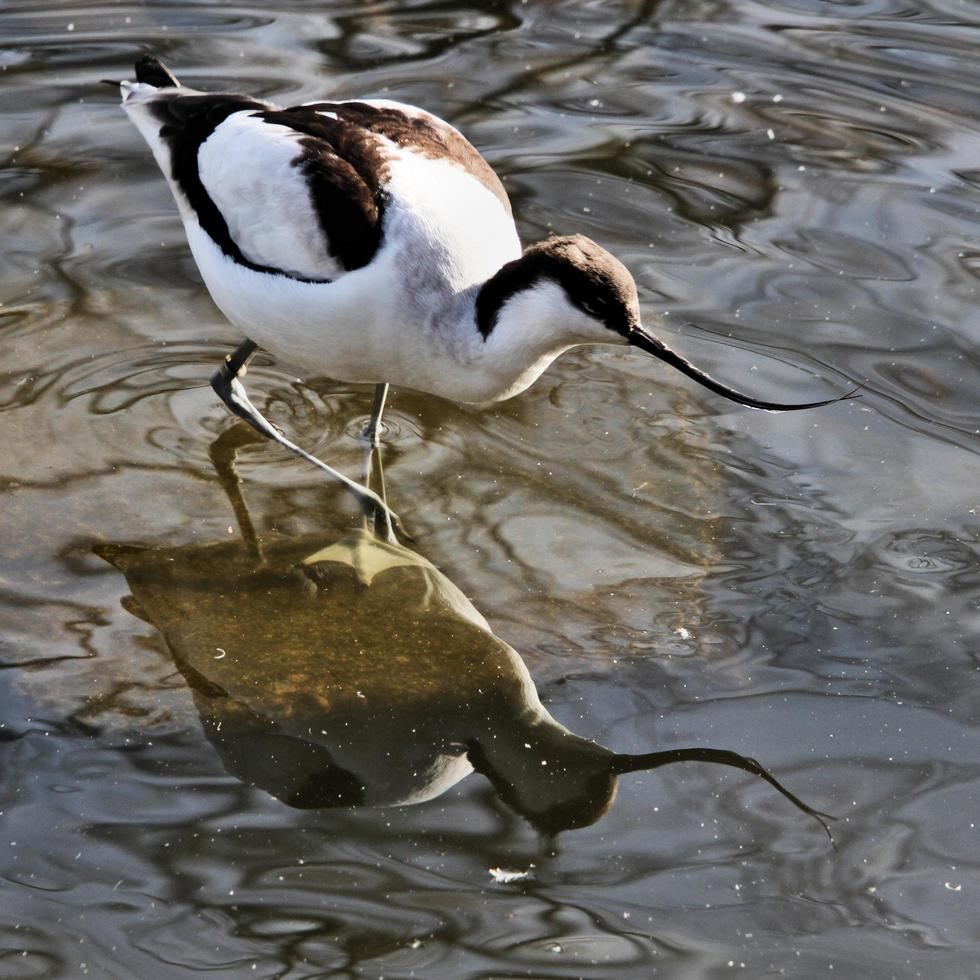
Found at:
<point>795,186</point>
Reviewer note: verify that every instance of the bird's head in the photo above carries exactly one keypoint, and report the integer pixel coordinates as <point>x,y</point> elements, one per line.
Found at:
<point>586,288</point>
<point>590,297</point>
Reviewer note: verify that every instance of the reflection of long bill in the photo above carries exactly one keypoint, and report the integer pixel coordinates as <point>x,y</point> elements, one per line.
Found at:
<point>647,342</point>
<point>723,757</point>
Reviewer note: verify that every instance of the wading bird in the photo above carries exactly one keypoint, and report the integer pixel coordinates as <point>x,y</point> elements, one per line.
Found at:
<point>369,241</point>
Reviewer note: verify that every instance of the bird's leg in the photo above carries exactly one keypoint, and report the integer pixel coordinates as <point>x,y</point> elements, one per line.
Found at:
<point>223,452</point>
<point>237,361</point>
<point>372,432</point>
<point>379,524</point>
<point>232,392</point>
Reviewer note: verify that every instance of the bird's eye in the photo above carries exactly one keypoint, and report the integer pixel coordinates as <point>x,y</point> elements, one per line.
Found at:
<point>593,308</point>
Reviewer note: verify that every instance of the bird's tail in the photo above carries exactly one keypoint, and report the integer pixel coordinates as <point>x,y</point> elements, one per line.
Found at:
<point>150,70</point>
<point>146,101</point>
<point>153,79</point>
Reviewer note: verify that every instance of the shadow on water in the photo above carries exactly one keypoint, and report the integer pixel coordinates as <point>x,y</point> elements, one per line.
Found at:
<point>348,671</point>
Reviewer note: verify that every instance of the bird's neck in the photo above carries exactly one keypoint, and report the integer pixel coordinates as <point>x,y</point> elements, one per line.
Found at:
<point>517,336</point>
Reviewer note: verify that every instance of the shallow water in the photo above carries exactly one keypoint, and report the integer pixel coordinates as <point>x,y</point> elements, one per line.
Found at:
<point>672,569</point>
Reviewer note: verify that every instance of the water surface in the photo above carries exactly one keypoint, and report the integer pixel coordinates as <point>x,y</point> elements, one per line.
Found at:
<point>795,186</point>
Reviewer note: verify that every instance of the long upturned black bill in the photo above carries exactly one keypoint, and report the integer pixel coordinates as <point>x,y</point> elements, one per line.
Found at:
<point>651,345</point>
<point>723,757</point>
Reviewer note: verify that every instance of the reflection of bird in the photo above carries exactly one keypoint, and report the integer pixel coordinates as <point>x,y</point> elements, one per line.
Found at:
<point>369,240</point>
<point>352,672</point>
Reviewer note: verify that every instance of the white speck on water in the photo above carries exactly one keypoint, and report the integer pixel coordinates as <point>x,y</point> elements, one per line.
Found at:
<point>506,876</point>
<point>777,98</point>
<point>221,653</point>
<point>950,887</point>
<point>738,97</point>
<point>771,134</point>
<point>554,948</point>
<point>683,632</point>
<point>71,27</point>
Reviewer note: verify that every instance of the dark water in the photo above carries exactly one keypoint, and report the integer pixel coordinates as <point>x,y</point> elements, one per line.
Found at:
<point>796,186</point>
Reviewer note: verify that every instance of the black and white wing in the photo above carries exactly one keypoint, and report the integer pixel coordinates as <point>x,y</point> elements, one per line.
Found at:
<point>301,191</point>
